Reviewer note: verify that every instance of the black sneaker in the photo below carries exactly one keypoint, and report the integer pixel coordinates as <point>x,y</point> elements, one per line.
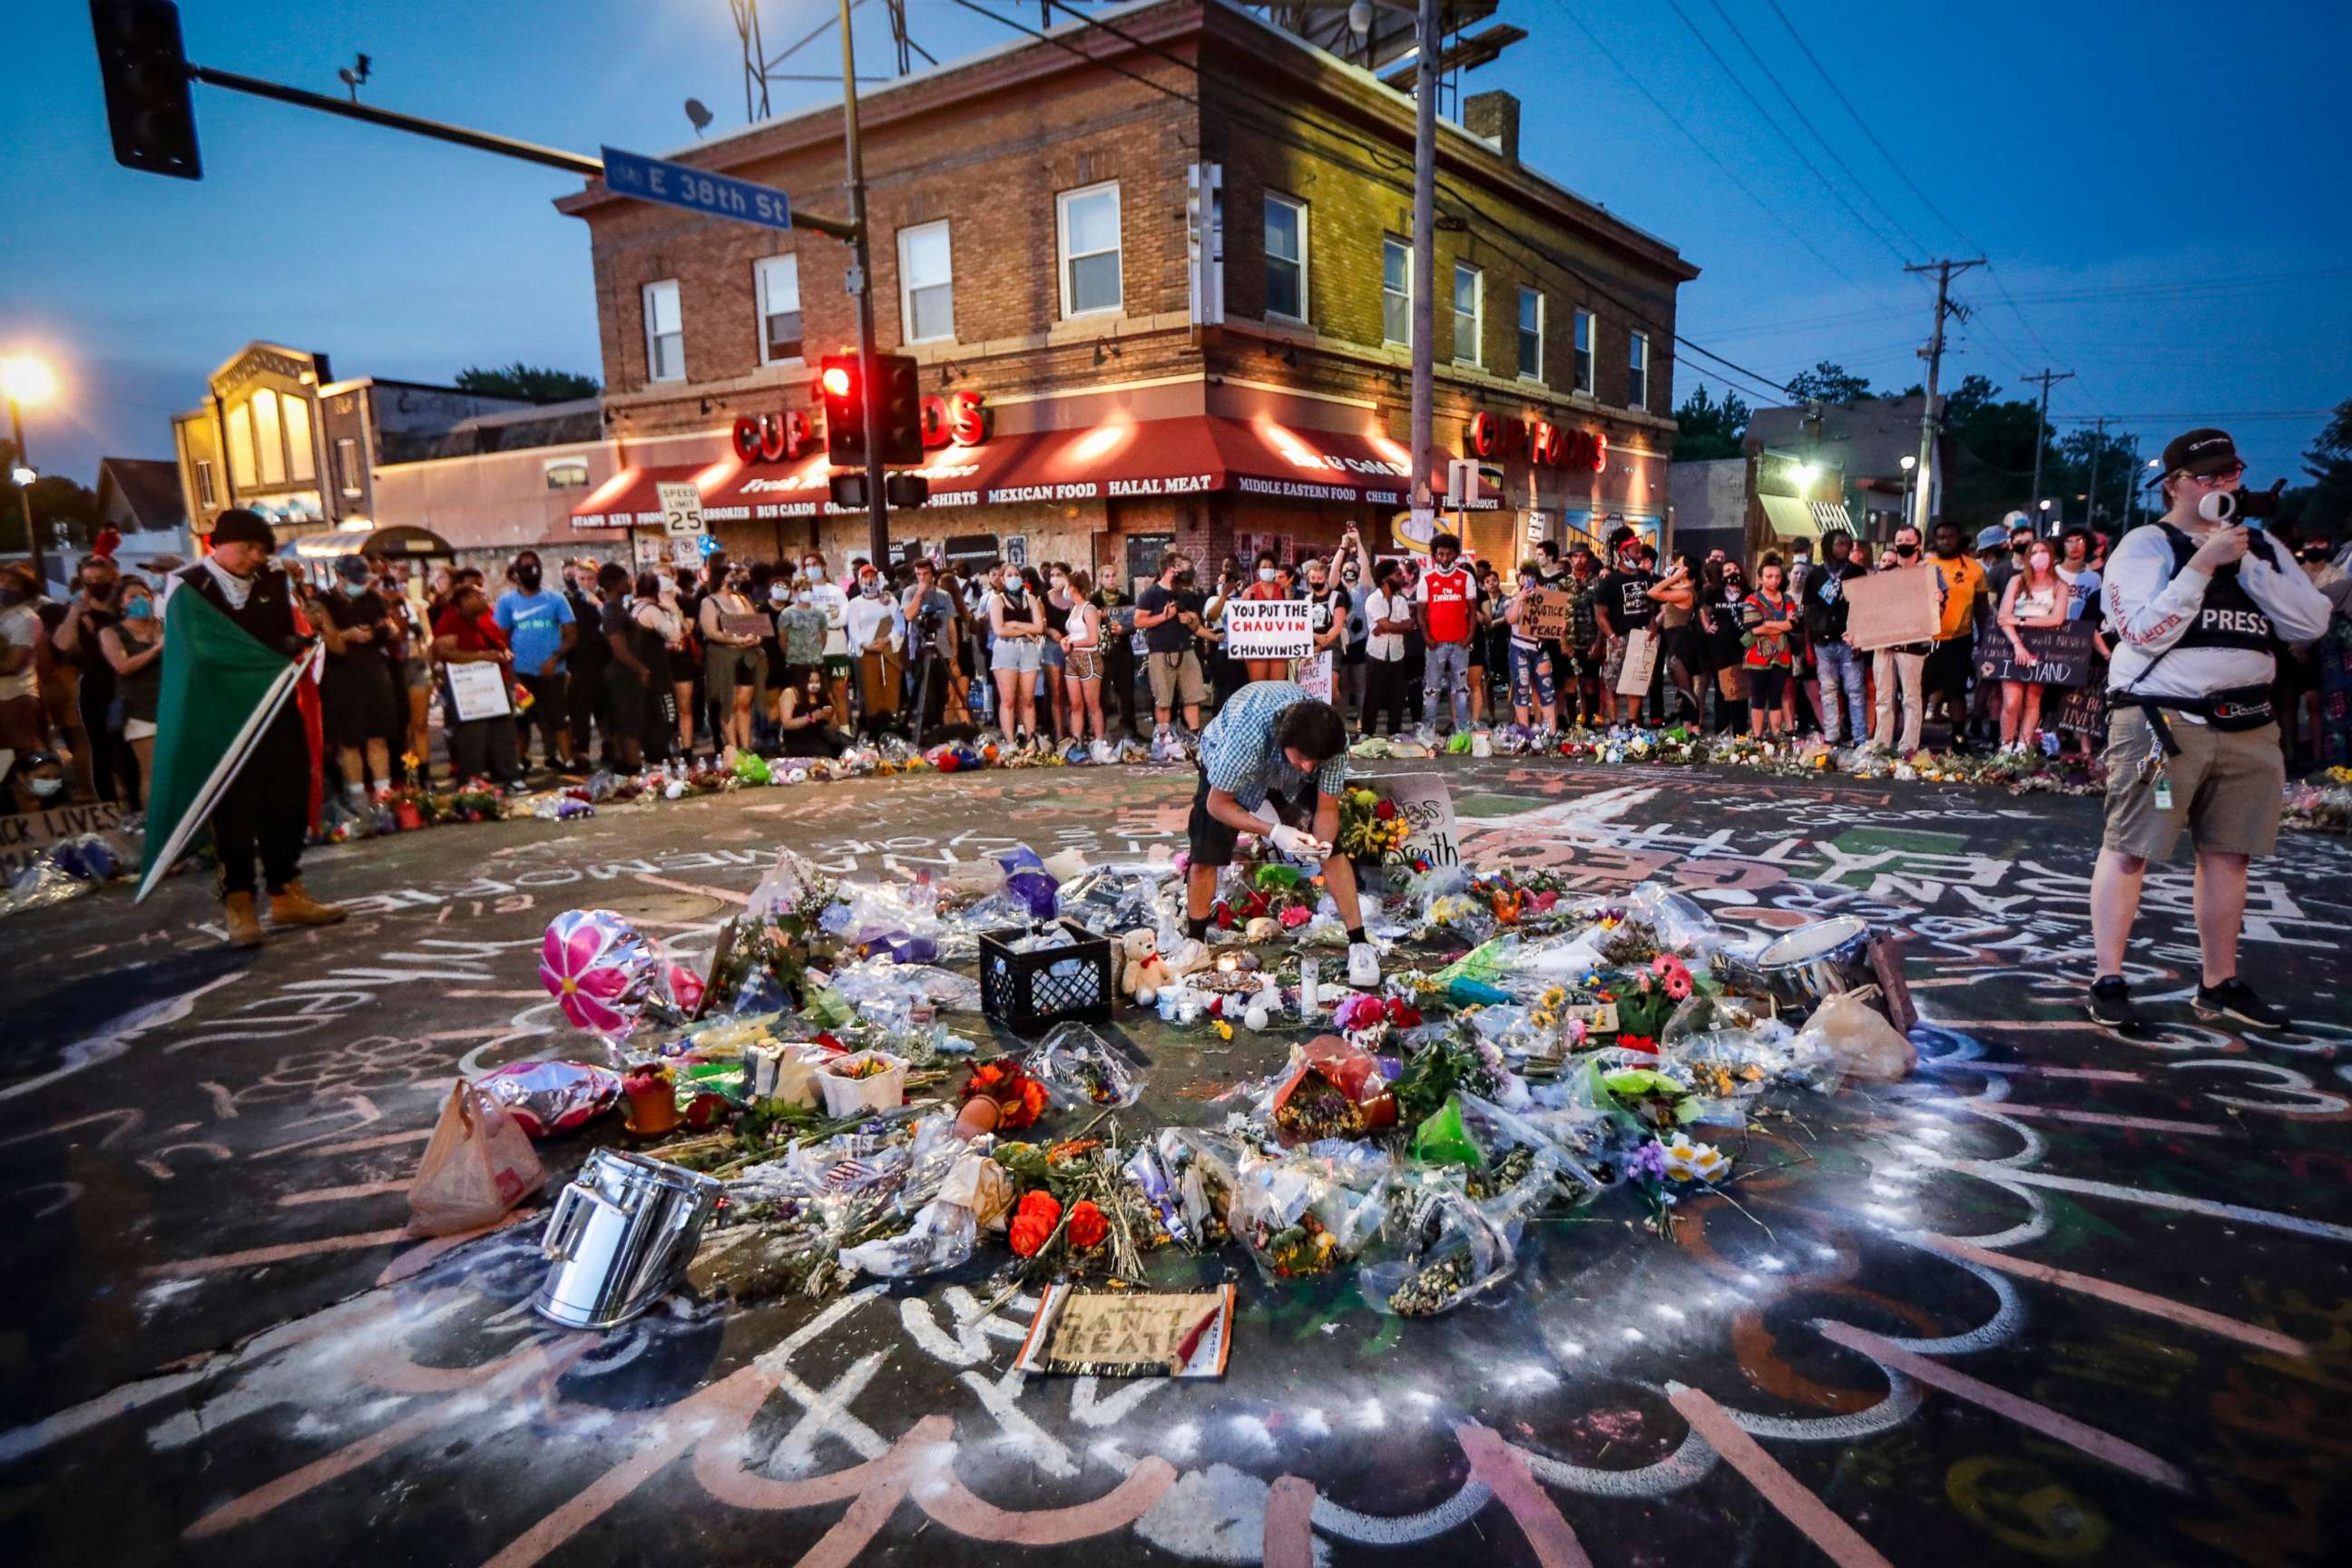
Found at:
<point>2111,1004</point>
<point>2233,998</point>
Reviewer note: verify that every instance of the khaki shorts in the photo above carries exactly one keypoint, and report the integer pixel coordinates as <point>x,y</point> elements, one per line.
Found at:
<point>1176,679</point>
<point>2227,789</point>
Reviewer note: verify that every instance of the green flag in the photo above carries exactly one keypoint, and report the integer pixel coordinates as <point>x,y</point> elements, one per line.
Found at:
<point>220,690</point>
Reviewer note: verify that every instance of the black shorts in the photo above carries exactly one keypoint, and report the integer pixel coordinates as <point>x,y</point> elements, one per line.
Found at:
<point>358,704</point>
<point>1765,685</point>
<point>1213,843</point>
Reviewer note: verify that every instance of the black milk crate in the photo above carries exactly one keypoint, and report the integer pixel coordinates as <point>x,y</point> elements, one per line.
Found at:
<point>1028,992</point>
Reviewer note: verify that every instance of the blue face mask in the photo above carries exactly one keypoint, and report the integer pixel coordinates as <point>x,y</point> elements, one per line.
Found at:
<point>138,610</point>
<point>354,589</point>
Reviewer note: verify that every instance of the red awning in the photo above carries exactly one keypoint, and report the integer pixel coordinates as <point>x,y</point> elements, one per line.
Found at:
<point>629,497</point>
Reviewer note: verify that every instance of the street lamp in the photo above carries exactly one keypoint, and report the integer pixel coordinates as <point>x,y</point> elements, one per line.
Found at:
<point>1910,463</point>
<point>25,379</point>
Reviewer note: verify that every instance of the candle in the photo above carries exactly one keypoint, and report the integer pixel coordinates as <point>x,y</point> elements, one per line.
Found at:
<point>1227,964</point>
<point>1309,997</point>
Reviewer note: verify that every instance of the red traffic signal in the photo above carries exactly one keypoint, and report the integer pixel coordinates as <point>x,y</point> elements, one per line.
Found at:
<point>844,410</point>
<point>143,67</point>
<point>838,379</point>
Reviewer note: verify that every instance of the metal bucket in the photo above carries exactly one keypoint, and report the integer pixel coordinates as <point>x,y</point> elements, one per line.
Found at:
<point>620,1238</point>
<point>1807,966</point>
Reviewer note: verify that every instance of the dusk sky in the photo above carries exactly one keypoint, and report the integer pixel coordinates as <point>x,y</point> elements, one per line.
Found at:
<point>2162,188</point>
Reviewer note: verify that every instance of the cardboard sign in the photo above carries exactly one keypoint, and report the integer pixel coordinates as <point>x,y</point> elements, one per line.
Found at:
<point>750,625</point>
<point>2062,655</point>
<point>478,690</point>
<point>24,836</point>
<point>1545,614</point>
<point>1314,675</point>
<point>1640,663</point>
<point>1269,629</point>
<point>1888,609</point>
<point>1130,1333</point>
<point>1427,807</point>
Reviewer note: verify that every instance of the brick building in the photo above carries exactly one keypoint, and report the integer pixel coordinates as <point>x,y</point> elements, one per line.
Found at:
<point>1153,303</point>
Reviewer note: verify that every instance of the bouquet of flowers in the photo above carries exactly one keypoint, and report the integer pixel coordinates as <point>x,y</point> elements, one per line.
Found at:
<point>1371,829</point>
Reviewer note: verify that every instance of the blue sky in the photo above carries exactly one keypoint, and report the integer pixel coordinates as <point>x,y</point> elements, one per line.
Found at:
<point>2162,188</point>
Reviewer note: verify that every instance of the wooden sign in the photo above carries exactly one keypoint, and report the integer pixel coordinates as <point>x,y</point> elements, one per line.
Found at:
<point>2062,655</point>
<point>1888,609</point>
<point>1640,663</point>
<point>1130,1333</point>
<point>25,836</point>
<point>1545,614</point>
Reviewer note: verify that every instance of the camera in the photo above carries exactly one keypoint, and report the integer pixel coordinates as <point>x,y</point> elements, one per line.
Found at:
<point>2241,506</point>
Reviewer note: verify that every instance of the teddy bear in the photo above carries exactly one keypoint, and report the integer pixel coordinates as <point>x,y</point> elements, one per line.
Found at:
<point>1143,973</point>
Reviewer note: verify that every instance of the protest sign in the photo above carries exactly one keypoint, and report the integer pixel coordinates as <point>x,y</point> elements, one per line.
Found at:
<point>2062,655</point>
<point>25,836</point>
<point>478,690</point>
<point>1129,1334</point>
<point>1314,675</point>
<point>1887,609</point>
<point>750,625</point>
<point>1427,807</point>
<point>1640,663</point>
<point>1269,629</point>
<point>1545,614</point>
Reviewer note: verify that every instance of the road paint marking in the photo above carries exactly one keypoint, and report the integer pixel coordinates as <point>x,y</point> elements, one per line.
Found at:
<point>722,894</point>
<point>2093,1075</point>
<point>2103,1119</point>
<point>2040,1418</point>
<point>2296,1224</point>
<point>1839,1540</point>
<point>383,1140</point>
<point>337,1194</point>
<point>1289,1538</point>
<point>31,1438</point>
<point>1503,1470</point>
<point>2120,1295</point>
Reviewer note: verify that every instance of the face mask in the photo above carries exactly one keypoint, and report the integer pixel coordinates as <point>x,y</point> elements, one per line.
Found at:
<point>1347,576</point>
<point>529,577</point>
<point>1184,578</point>
<point>354,589</point>
<point>812,569</point>
<point>2040,562</point>
<point>1906,551</point>
<point>138,610</point>
<point>1316,583</point>
<point>871,590</point>
<point>778,593</point>
<point>44,788</point>
<point>1266,574</point>
<point>804,597</point>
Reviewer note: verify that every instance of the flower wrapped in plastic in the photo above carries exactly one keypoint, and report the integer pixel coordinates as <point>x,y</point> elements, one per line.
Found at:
<point>1452,1250</point>
<point>1081,1069</point>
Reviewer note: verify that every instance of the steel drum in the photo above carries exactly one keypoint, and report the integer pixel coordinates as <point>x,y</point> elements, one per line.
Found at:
<point>1803,968</point>
<point>620,1238</point>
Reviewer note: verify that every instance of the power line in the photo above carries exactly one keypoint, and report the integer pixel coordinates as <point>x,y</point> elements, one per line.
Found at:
<point>1061,43</point>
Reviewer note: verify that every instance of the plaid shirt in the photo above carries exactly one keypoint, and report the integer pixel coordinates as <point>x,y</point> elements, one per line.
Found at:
<point>1238,749</point>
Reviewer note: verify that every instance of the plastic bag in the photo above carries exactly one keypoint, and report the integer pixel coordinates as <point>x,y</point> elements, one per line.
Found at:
<point>1521,1165</point>
<point>1296,1217</point>
<point>1026,878</point>
<point>1440,1139</point>
<point>478,1165</point>
<point>551,1097</point>
<point>1452,1251</point>
<point>1860,1045</point>
<point>1330,1090</point>
<point>941,1237</point>
<point>1679,922</point>
<point>1081,1069</point>
<point>1108,900</point>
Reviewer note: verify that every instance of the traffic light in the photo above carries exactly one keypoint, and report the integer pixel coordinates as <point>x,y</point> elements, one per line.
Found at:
<point>906,491</point>
<point>145,67</point>
<point>902,409</point>
<point>844,410</point>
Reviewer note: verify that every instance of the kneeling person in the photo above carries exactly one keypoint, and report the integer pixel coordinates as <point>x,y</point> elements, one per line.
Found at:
<point>1273,759</point>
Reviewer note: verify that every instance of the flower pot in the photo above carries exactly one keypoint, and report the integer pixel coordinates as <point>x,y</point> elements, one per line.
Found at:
<point>847,1096</point>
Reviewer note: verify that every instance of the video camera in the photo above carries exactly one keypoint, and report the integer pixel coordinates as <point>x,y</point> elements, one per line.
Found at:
<point>2247,507</point>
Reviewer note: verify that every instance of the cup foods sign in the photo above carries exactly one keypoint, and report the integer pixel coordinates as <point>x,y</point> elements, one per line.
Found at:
<point>1545,443</point>
<point>959,418</point>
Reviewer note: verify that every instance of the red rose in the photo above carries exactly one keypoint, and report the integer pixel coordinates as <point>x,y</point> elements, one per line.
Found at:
<point>1638,1042</point>
<point>1032,1222</point>
<point>1385,811</point>
<point>1402,1013</point>
<point>1088,1227</point>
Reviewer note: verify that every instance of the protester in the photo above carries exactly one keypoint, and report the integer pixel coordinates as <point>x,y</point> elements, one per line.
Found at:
<point>1483,621</point>
<point>806,719</point>
<point>1273,762</point>
<point>1016,623</point>
<point>1766,616</point>
<point>2197,605</point>
<point>1680,641</point>
<point>683,600</point>
<point>1061,699</point>
<point>1354,582</point>
<point>1623,604</point>
<point>266,809</point>
<point>132,643</point>
<point>1446,607</point>
<point>1173,667</point>
<point>589,706</point>
<point>800,632</point>
<point>358,697</point>
<point>1388,616</point>
<point>1837,664</point>
<point>1533,694</point>
<point>23,727</point>
<point>1327,617</point>
<point>104,765</point>
<point>413,670</point>
<point>2035,600</point>
<point>1904,667</point>
<point>538,625</point>
<point>1083,635</point>
<point>734,669</point>
<point>930,619</point>
<point>1585,648</point>
<point>33,781</point>
<point>466,632</point>
<point>877,632</point>
<point>1959,582</point>
<point>2074,569</point>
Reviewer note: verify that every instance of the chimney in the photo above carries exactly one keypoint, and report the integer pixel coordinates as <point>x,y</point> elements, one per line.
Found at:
<point>1493,118</point>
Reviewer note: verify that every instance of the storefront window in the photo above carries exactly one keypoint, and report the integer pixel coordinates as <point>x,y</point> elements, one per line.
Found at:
<point>1396,291</point>
<point>1090,247</point>
<point>779,279</point>
<point>1286,257</point>
<point>665,332</point>
<point>926,284</point>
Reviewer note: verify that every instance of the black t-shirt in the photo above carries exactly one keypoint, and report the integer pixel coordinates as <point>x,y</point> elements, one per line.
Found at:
<point>350,610</point>
<point>1625,597</point>
<point>1326,608</point>
<point>1171,635</point>
<point>591,649</point>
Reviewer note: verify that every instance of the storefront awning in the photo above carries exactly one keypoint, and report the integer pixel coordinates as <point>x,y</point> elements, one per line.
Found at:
<point>1789,518</point>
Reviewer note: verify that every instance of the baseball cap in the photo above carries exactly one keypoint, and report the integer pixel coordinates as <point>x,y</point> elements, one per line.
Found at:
<point>351,568</point>
<point>2200,451</point>
<point>1992,536</point>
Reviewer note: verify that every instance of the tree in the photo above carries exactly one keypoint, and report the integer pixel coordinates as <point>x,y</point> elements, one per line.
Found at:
<point>1706,428</point>
<point>2329,463</point>
<point>531,382</point>
<point>1827,383</point>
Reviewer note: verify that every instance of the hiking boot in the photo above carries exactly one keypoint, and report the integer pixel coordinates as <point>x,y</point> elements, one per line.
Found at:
<point>295,908</point>
<point>2233,998</point>
<point>244,925</point>
<point>2111,1004</point>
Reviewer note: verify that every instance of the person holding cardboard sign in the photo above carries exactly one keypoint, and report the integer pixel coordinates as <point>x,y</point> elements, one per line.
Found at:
<point>1533,693</point>
<point>2035,599</point>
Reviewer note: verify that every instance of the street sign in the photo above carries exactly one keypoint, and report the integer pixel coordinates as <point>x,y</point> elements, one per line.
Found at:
<point>696,190</point>
<point>1462,481</point>
<point>681,507</point>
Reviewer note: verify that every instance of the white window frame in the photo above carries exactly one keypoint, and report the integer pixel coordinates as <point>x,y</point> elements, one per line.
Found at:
<point>347,464</point>
<point>1637,365</point>
<point>763,271</point>
<point>1298,210</point>
<point>1389,243</point>
<point>1543,311</point>
<point>205,493</point>
<point>1582,345</point>
<point>906,287</point>
<point>647,295</point>
<point>1068,262</point>
<point>1476,358</point>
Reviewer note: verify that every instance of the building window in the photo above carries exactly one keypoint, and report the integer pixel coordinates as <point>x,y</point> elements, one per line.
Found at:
<point>1088,222</point>
<point>1637,372</point>
<point>566,473</point>
<point>1469,313</point>
<point>665,332</point>
<point>268,440</point>
<point>1531,336</point>
<point>240,446</point>
<point>1584,353</point>
<point>926,284</point>
<point>1396,291</point>
<point>205,496</point>
<point>1286,257</point>
<point>302,462</point>
<point>778,279</point>
<point>347,464</point>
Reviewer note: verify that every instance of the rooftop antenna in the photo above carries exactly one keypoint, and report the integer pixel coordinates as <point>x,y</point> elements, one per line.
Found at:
<point>353,75</point>
<point>760,67</point>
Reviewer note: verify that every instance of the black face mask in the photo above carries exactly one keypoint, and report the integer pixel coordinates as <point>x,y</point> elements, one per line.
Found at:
<point>529,577</point>
<point>1906,551</point>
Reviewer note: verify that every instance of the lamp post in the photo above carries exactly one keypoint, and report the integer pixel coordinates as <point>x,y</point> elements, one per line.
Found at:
<point>1910,465</point>
<point>25,379</point>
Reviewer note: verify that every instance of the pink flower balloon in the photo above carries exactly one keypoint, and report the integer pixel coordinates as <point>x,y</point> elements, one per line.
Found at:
<point>598,969</point>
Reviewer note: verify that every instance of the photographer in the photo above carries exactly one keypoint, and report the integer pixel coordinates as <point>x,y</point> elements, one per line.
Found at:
<point>2197,602</point>
<point>930,644</point>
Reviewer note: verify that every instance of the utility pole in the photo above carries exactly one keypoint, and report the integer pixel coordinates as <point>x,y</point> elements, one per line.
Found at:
<point>2041,425</point>
<point>2131,490</point>
<point>861,284</point>
<point>1424,246</point>
<point>1928,420</point>
<point>2091,490</point>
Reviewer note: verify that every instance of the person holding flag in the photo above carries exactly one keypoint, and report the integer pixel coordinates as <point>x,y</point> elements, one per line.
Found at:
<point>238,738</point>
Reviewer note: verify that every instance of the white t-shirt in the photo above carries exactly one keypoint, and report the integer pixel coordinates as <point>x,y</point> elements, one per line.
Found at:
<point>20,627</point>
<point>1386,646</point>
<point>829,598</point>
<point>867,616</point>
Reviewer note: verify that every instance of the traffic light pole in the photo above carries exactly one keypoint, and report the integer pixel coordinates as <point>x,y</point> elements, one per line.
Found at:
<point>861,284</point>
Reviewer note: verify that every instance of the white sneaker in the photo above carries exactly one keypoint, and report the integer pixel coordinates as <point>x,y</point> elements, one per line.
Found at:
<point>1191,957</point>
<point>1363,965</point>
